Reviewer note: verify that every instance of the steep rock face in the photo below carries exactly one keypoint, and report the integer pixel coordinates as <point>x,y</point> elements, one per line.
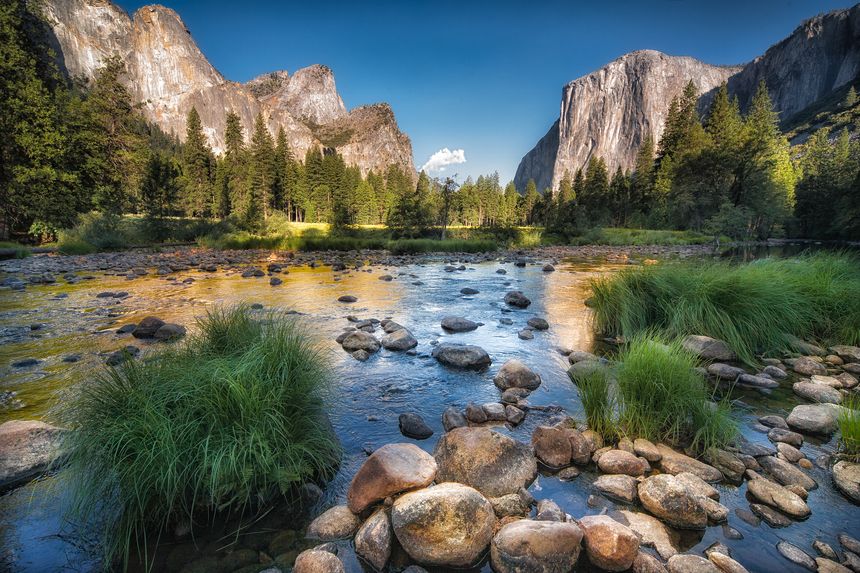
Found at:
<point>169,75</point>
<point>609,113</point>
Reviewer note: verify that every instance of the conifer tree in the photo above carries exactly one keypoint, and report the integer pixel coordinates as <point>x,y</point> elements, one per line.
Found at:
<point>642,184</point>
<point>263,166</point>
<point>197,167</point>
<point>850,98</point>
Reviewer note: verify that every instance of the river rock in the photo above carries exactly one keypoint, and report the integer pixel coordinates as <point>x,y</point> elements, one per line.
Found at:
<point>775,372</point>
<point>690,564</point>
<point>831,381</point>
<point>847,380</point>
<point>771,516</point>
<point>491,462</point>
<point>620,487</point>
<point>846,353</point>
<point>773,421</point>
<point>528,546</point>
<point>724,371</point>
<point>169,331</point>
<point>147,327</point>
<point>726,564</point>
<point>526,334</point>
<point>347,298</point>
<point>509,505</point>
<point>359,340</point>
<point>789,452</point>
<point>514,415</point>
<point>647,450</point>
<point>391,469</point>
<point>820,393</point>
<point>27,449</point>
<point>669,499</point>
<point>708,348</point>
<point>335,523</point>
<point>374,539</point>
<point>647,563</point>
<point>517,298</point>
<point>846,476</point>
<point>551,446</point>
<point>413,426</point>
<point>609,544</point>
<point>580,356</point>
<point>785,473</point>
<point>673,462</point>
<point>781,435</point>
<point>317,561</point>
<point>814,418</point>
<point>458,324</point>
<point>453,418</point>
<point>399,340</point>
<point>495,411</point>
<point>796,555</point>
<point>538,323</point>
<point>757,381</point>
<point>448,525</point>
<point>548,510</point>
<point>463,356</point>
<point>726,463</point>
<point>621,462</point>
<point>580,447</point>
<point>515,374</point>
<point>475,413</point>
<point>778,497</point>
<point>698,486</point>
<point>653,532</point>
<point>825,565</point>
<point>807,366</point>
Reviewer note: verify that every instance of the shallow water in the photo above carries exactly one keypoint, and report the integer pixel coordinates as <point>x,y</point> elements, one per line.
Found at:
<point>367,397</point>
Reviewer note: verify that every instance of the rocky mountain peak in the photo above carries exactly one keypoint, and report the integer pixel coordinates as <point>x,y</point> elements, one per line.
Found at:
<point>311,95</point>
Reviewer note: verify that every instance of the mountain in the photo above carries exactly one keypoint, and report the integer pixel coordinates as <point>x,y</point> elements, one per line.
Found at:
<point>610,112</point>
<point>168,74</point>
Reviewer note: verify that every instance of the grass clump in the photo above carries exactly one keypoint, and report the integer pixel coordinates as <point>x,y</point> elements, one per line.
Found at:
<point>19,251</point>
<point>226,422</point>
<point>620,237</point>
<point>417,246</point>
<point>654,392</point>
<point>759,307</point>
<point>849,429</point>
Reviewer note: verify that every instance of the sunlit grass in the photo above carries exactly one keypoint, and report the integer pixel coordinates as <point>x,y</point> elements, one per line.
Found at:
<point>849,429</point>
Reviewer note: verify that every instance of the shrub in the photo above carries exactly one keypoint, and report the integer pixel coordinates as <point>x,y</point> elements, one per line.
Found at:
<point>849,429</point>
<point>227,421</point>
<point>759,307</point>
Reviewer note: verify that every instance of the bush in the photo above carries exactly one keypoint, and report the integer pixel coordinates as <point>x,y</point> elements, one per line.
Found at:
<point>227,421</point>
<point>759,307</point>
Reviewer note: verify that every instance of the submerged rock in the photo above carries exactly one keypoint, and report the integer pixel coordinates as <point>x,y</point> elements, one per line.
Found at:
<point>528,546</point>
<point>27,449</point>
<point>413,426</point>
<point>796,555</point>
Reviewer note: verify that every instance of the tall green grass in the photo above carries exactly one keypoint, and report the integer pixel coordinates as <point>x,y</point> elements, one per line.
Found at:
<point>19,250</point>
<point>226,422</point>
<point>654,392</point>
<point>243,240</point>
<point>757,307</point>
<point>849,429</point>
<point>619,236</point>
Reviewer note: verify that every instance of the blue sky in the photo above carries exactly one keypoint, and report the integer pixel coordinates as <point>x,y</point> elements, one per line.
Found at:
<point>484,77</point>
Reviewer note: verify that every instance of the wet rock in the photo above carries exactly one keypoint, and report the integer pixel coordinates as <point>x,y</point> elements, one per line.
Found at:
<point>509,505</point>
<point>620,487</point>
<point>796,555</point>
<point>538,323</point>
<point>807,366</point>
<point>169,331</point>
<point>122,355</point>
<point>770,516</point>
<point>708,348</point>
<point>846,476</point>
<point>347,298</point>
<point>669,499</point>
<point>493,463</point>
<point>413,426</point>
<point>514,415</point>
<point>774,422</point>
<point>475,413</point>
<point>27,449</point>
<point>609,544</point>
<point>757,381</point>
<point>777,435</point>
<point>469,291</point>
<point>846,353</point>
<point>674,462</point>
<point>814,418</point>
<point>568,474</point>
<point>495,412</point>
<point>548,510</point>
<point>724,371</point>
<point>359,340</point>
<point>360,355</point>
<point>462,356</point>
<point>652,532</point>
<point>852,561</point>
<point>829,566</point>
<point>315,561</point>
<point>453,418</point>
<point>506,321</point>
<point>820,393</point>
<point>391,469</point>
<point>621,462</point>
<point>458,324</point>
<point>647,563</point>
<point>517,299</point>
<point>399,340</point>
<point>528,546</point>
<point>25,363</point>
<point>772,494</point>
<point>548,268</point>
<point>789,452</point>
<point>448,525</point>
<point>373,540</point>
<point>274,281</point>
<point>775,372</point>
<point>580,356</point>
<point>337,522</point>
<point>785,473</point>
<point>849,543</point>
<point>726,463</point>
<point>825,550</point>
<point>647,450</point>
<point>515,374</point>
<point>147,327</point>
<point>690,564</point>
<point>551,446</point>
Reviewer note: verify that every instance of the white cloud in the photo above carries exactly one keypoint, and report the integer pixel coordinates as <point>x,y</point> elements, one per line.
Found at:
<point>442,158</point>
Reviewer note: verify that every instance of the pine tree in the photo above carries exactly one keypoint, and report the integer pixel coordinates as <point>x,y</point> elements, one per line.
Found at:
<point>283,173</point>
<point>159,190</point>
<point>197,167</point>
<point>263,166</point>
<point>850,98</point>
<point>410,216</point>
<point>642,184</point>
<point>530,203</point>
<point>511,198</point>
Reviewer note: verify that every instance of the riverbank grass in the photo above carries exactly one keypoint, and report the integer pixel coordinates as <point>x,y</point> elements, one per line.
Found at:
<point>849,429</point>
<point>228,421</point>
<point>758,308</point>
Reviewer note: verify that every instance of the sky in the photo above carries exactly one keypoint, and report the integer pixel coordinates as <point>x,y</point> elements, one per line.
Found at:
<point>475,84</point>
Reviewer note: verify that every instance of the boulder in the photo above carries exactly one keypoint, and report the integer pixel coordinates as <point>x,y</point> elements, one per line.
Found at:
<point>673,462</point>
<point>846,476</point>
<point>360,340</point>
<point>796,555</point>
<point>621,462</point>
<point>413,426</point>
<point>517,299</point>
<point>652,532</point>
<point>509,505</point>
<point>726,463</point>
<point>814,418</point>
<point>462,356</point>
<point>698,486</point>
<point>147,327</point>
<point>580,447</point>
<point>779,435</point>
<point>620,487</point>
<point>647,563</point>
<point>373,540</point>
<point>399,340</point>
<point>515,374</point>
<point>538,323</point>
<point>829,566</point>
<point>551,446</point>
<point>458,324</point>
<point>690,564</point>
<point>831,381</point>
<point>647,450</point>
<point>778,497</point>
<point>335,523</point>
<point>708,348</point>
<point>820,393</point>
<point>392,469</point>
<point>492,463</point>
<point>669,499</point>
<point>724,371</point>
<point>846,353</point>
<point>548,510</point>
<point>27,449</point>
<point>448,525</point>
<point>807,366</point>
<point>169,331</point>
<point>453,418</point>
<point>725,563</point>
<point>609,544</point>
<point>786,473</point>
<point>528,546</point>
<point>317,561</point>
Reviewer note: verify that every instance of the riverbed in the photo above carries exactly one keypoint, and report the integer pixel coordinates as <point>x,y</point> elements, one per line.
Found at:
<point>56,322</point>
